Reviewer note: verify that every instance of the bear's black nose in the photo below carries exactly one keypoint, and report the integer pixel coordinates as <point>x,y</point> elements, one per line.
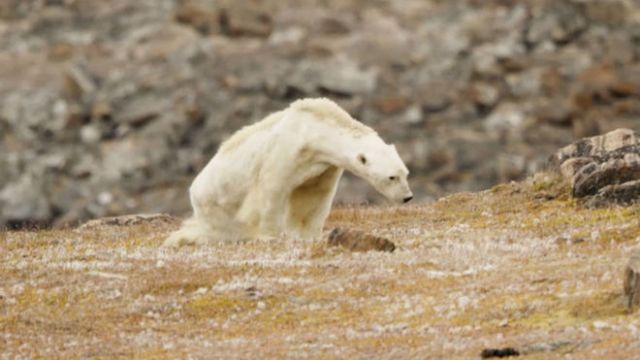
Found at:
<point>407,199</point>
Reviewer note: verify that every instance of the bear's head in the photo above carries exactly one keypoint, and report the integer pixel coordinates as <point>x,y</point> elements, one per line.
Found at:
<point>381,166</point>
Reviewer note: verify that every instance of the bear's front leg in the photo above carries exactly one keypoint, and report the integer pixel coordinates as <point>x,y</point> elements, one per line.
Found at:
<point>310,203</point>
<point>271,221</point>
<point>273,207</point>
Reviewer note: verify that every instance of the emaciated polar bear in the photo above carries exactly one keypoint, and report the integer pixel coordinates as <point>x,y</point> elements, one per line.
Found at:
<point>279,176</point>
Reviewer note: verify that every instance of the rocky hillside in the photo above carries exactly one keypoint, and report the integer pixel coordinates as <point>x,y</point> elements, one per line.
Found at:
<point>521,268</point>
<point>111,106</point>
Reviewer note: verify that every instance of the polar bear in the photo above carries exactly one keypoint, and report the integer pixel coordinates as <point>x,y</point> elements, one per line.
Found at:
<point>279,175</point>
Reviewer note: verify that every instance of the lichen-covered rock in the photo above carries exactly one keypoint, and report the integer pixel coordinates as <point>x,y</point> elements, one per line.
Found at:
<point>597,146</point>
<point>605,168</point>
<point>617,193</point>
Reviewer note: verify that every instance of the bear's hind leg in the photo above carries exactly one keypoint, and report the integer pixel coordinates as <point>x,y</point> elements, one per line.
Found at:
<point>208,225</point>
<point>192,232</point>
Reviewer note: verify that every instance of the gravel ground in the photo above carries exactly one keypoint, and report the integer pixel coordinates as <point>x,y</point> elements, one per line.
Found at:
<point>507,267</point>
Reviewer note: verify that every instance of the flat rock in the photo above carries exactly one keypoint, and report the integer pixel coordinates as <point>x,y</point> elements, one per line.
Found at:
<point>597,146</point>
<point>359,241</point>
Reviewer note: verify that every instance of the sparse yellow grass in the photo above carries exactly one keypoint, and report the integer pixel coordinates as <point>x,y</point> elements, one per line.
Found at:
<point>520,265</point>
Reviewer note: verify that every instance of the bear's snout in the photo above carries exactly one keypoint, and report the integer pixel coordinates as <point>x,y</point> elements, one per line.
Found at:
<point>407,199</point>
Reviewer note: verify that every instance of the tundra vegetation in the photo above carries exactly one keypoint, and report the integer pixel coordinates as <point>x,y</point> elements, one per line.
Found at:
<point>522,265</point>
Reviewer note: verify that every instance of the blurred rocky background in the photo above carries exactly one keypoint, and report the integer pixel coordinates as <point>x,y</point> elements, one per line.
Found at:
<point>112,106</point>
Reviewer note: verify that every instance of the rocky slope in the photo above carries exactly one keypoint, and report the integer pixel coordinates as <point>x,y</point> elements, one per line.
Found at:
<point>522,266</point>
<point>111,106</point>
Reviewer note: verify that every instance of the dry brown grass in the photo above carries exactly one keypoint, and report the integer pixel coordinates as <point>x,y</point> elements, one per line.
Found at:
<point>505,267</point>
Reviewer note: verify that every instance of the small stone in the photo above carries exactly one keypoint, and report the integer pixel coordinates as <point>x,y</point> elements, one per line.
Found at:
<point>204,20</point>
<point>141,109</point>
<point>79,81</point>
<point>525,84</point>
<point>90,134</point>
<point>485,94</point>
<point>499,353</point>
<point>435,101</point>
<point>61,51</point>
<point>551,81</point>
<point>346,77</point>
<point>105,198</point>
<point>75,116</point>
<point>334,25</point>
<point>487,58</point>
<point>245,22</point>
<point>252,292</point>
<point>555,111</point>
<point>413,115</point>
<point>290,36</point>
<point>359,241</point>
<point>505,117</point>
<point>391,104</point>
<point>101,109</point>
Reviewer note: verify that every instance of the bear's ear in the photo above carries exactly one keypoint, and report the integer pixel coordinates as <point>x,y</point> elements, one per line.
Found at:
<point>362,159</point>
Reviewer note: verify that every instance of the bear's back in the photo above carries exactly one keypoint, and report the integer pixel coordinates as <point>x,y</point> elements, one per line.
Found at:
<point>241,136</point>
<point>329,112</point>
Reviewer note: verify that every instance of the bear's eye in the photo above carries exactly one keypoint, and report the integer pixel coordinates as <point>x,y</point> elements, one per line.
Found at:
<point>362,159</point>
<point>393,178</point>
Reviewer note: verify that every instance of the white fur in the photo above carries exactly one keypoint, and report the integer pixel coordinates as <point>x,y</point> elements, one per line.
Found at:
<point>279,176</point>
